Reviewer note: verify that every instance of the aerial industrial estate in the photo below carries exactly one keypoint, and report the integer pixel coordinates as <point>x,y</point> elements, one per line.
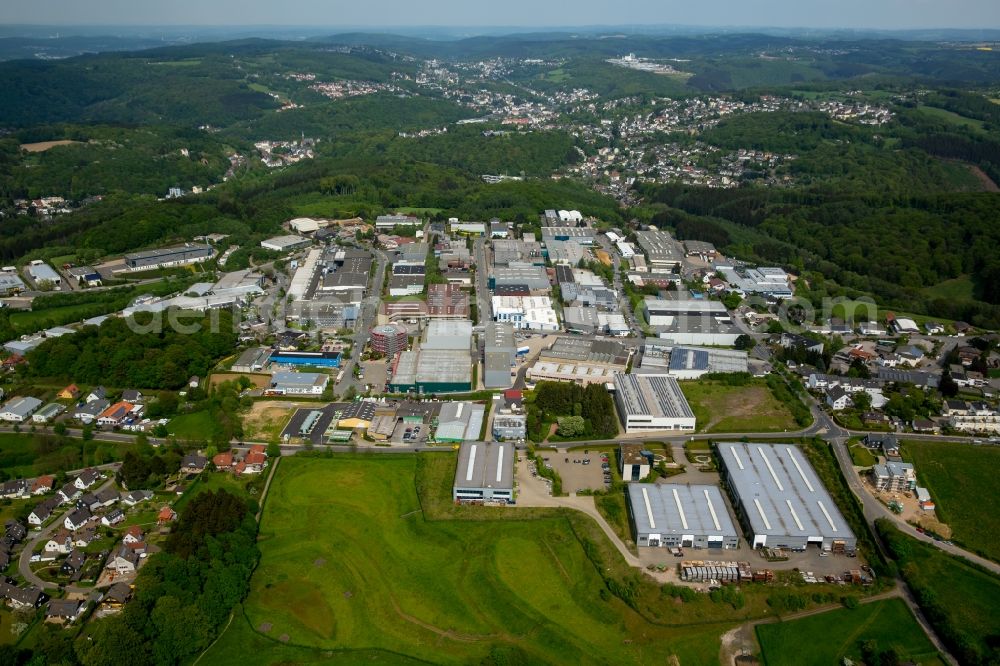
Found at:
<point>278,382</point>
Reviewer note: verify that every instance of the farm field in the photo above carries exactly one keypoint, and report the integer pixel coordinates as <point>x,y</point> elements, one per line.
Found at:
<point>719,407</point>
<point>828,638</point>
<point>351,567</point>
<point>962,481</point>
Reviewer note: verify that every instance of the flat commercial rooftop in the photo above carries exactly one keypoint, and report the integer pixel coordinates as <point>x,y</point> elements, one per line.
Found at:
<point>433,366</point>
<point>673,508</point>
<point>485,465</point>
<point>655,395</point>
<point>591,351</point>
<point>780,491</point>
<point>708,359</point>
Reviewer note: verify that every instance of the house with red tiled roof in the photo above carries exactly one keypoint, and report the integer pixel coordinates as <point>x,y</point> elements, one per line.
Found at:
<point>71,392</point>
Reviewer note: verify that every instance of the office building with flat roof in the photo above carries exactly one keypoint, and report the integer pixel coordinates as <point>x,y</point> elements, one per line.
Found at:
<point>780,499</point>
<point>485,473</point>
<point>651,403</point>
<point>672,515</point>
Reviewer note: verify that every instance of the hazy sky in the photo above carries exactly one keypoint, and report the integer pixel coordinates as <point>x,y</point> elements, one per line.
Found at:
<point>888,14</point>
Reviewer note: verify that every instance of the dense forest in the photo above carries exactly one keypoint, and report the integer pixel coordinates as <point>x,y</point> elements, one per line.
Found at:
<point>107,159</point>
<point>141,352</point>
<point>591,404</point>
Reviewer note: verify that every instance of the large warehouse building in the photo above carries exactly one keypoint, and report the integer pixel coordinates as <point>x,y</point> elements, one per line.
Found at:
<point>691,321</point>
<point>485,473</point>
<point>432,371</point>
<point>671,515</point>
<point>649,403</point>
<point>689,362</point>
<point>780,500</point>
<point>189,253</point>
<point>498,355</point>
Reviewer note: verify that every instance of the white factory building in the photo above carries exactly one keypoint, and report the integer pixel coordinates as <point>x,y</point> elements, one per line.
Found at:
<point>652,403</point>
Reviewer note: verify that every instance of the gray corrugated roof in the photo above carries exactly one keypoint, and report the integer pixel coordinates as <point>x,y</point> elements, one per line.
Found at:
<point>781,492</point>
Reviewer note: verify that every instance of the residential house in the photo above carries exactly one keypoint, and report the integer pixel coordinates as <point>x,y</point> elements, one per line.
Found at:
<point>911,355</point>
<point>223,461</point>
<point>71,392</point>
<point>21,597</point>
<point>64,611</point>
<point>88,412</point>
<point>166,516</point>
<point>88,501</point>
<point>255,460</point>
<point>43,484</point>
<point>98,393</point>
<point>86,478</point>
<point>117,596</point>
<point>131,395</point>
<point>77,518</point>
<point>124,561</point>
<point>136,496</point>
<point>133,535</point>
<point>68,493</point>
<point>14,488</point>
<point>59,543</point>
<point>925,425</point>
<point>838,398</point>
<point>113,517</point>
<point>43,511</point>
<point>193,463</point>
<point>14,531</point>
<point>74,562</point>
<point>85,537</point>
<point>107,497</point>
<point>792,340</point>
<point>886,443</point>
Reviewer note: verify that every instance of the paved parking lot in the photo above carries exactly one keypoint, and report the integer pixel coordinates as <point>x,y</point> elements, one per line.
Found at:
<point>375,374</point>
<point>412,438</point>
<point>575,475</point>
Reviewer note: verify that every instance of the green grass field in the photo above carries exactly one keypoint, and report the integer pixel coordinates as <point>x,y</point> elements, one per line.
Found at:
<point>351,569</point>
<point>963,482</point>
<point>957,289</point>
<point>722,408</point>
<point>193,426</point>
<point>951,117</point>
<point>829,637</point>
